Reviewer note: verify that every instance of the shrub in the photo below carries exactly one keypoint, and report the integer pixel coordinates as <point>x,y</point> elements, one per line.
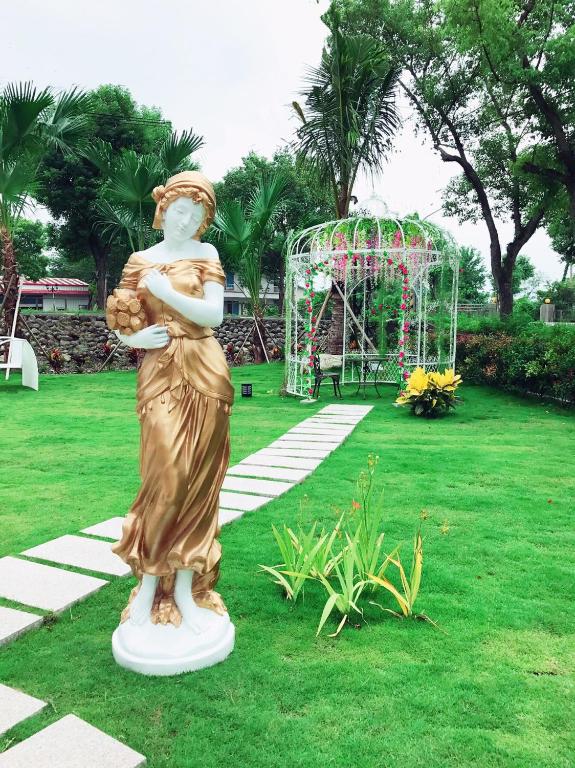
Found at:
<point>534,359</point>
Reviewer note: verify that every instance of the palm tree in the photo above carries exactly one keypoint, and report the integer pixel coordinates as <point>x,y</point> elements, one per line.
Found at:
<point>31,122</point>
<point>347,122</point>
<point>244,235</point>
<point>126,206</point>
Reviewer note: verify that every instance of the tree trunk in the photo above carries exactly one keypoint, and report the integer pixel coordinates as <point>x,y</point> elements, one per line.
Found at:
<point>100,254</point>
<point>505,290</point>
<point>335,333</point>
<point>259,338</point>
<point>9,282</point>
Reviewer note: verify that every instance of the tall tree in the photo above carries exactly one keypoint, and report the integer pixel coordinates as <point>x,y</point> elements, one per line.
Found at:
<point>472,276</point>
<point>474,123</point>
<point>528,46</point>
<point>30,240</point>
<point>349,115</point>
<point>348,120</point>
<point>72,185</point>
<point>561,232</point>
<point>32,122</point>
<point>244,233</point>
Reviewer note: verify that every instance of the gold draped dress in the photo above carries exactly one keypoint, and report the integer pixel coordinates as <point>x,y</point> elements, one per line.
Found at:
<point>184,398</point>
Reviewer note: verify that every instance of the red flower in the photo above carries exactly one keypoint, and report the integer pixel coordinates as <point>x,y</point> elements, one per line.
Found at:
<point>390,261</point>
<point>310,391</point>
<point>403,306</point>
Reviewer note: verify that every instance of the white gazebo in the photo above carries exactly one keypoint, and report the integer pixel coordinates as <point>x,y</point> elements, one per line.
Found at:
<point>397,281</point>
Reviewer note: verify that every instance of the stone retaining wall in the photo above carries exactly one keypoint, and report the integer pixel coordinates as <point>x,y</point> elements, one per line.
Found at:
<point>84,341</point>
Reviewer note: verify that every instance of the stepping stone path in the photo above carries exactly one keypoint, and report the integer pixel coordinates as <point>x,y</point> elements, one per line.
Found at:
<point>71,743</point>
<point>42,586</point>
<point>15,707</point>
<point>14,623</point>
<point>84,553</point>
<point>249,485</point>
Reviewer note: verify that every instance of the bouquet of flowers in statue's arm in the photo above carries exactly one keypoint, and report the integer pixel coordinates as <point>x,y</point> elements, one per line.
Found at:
<point>125,312</point>
<point>430,394</point>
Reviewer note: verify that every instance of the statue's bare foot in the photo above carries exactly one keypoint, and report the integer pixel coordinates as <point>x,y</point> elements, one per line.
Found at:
<point>141,605</point>
<point>185,602</point>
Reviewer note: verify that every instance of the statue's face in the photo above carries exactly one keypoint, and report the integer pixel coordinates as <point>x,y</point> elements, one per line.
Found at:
<point>182,219</point>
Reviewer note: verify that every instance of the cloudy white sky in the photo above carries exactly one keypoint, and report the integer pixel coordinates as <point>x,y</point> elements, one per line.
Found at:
<point>227,68</point>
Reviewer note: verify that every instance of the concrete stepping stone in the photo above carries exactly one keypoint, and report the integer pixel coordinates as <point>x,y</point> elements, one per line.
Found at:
<point>14,623</point>
<point>80,552</point>
<point>310,438</point>
<point>326,423</point>
<point>306,445</point>
<point>229,515</point>
<point>15,707</point>
<point>279,460</point>
<point>322,431</point>
<point>273,473</point>
<point>343,421</point>
<point>108,529</point>
<point>282,448</point>
<point>252,485</point>
<point>356,410</point>
<point>52,589</point>
<point>245,502</point>
<point>71,743</point>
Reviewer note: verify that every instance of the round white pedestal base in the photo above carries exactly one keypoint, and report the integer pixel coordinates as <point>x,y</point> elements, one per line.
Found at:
<point>162,649</point>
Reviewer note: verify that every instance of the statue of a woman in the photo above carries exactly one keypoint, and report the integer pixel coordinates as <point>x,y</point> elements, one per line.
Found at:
<point>175,620</point>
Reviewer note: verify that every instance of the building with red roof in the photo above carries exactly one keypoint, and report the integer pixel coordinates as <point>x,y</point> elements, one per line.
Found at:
<point>53,294</point>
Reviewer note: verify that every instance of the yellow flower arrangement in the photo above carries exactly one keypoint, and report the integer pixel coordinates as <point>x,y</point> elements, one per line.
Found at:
<point>430,394</point>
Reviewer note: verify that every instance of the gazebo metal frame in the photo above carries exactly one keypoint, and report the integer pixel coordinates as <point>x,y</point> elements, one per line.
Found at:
<point>357,255</point>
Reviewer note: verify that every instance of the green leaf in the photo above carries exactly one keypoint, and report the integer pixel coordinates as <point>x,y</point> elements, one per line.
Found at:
<point>328,608</point>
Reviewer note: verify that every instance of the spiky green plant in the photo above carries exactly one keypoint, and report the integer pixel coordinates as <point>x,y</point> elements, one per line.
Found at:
<point>242,233</point>
<point>126,206</point>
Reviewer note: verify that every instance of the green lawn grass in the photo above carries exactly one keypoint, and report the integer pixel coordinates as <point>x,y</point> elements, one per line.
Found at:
<point>495,688</point>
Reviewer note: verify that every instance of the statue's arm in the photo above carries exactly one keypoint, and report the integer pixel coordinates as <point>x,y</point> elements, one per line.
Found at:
<point>207,312</point>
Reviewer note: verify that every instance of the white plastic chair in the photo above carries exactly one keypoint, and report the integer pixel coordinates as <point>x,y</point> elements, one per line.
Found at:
<point>20,352</point>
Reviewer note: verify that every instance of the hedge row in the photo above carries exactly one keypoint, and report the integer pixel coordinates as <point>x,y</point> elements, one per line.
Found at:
<point>534,359</point>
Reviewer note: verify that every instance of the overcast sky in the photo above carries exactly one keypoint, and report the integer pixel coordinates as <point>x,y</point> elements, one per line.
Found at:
<point>229,69</point>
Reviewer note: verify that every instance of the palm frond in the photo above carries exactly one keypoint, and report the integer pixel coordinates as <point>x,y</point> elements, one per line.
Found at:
<point>115,220</point>
<point>264,204</point>
<point>233,229</point>
<point>67,119</point>
<point>21,105</point>
<point>349,114</point>
<point>178,148</point>
<point>99,153</point>
<point>133,178</point>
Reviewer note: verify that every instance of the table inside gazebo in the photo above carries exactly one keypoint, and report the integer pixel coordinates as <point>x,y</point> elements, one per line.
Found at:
<point>370,369</point>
